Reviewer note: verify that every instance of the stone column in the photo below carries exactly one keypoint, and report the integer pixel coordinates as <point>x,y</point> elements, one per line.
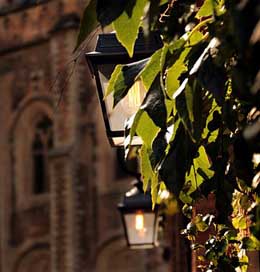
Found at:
<point>65,237</point>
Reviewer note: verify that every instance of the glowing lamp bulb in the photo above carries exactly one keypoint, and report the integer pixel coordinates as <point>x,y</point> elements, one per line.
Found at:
<point>139,221</point>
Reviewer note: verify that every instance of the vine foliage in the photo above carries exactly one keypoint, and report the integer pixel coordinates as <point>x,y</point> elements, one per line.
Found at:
<point>200,118</point>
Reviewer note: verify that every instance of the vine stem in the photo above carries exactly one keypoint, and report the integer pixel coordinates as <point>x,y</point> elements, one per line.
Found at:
<point>199,25</point>
<point>166,12</point>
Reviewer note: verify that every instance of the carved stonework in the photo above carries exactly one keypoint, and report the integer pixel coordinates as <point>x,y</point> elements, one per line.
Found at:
<point>31,224</point>
<point>37,259</point>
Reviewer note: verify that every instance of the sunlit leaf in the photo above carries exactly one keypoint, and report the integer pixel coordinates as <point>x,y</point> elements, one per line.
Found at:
<point>239,222</point>
<point>146,168</point>
<point>199,171</point>
<point>206,9</point>
<point>127,25</point>
<point>174,72</point>
<point>151,69</point>
<point>209,132</point>
<point>147,130</point>
<point>154,188</point>
<point>130,130</point>
<point>123,78</point>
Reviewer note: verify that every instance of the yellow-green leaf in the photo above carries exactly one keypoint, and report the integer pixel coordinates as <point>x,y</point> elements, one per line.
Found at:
<point>127,25</point>
<point>147,130</point>
<point>146,168</point>
<point>151,70</point>
<point>206,9</point>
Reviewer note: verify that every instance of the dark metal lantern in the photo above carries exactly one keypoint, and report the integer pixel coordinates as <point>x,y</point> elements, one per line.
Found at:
<point>109,53</point>
<point>140,221</point>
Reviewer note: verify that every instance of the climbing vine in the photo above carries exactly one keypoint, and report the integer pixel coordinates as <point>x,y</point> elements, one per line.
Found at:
<point>201,110</point>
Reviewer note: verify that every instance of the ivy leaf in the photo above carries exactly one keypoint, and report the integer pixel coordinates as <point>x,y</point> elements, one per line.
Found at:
<point>251,243</point>
<point>177,161</point>
<point>199,171</point>
<point>154,188</point>
<point>122,79</point>
<point>146,168</point>
<point>200,223</point>
<point>116,79</point>
<point>127,25</point>
<point>196,66</point>
<point>174,72</point>
<point>239,222</point>
<point>130,130</point>
<point>146,129</point>
<point>108,11</point>
<point>151,70</point>
<point>154,104</point>
<point>207,9</point>
<point>159,147</point>
<point>183,113</point>
<point>202,162</point>
<point>189,102</point>
<point>212,123</point>
<point>88,23</point>
<point>213,78</point>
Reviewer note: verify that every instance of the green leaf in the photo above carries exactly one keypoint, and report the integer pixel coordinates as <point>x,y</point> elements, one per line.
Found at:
<point>251,243</point>
<point>130,129</point>
<point>127,25</point>
<point>207,9</point>
<point>183,113</point>
<point>200,223</point>
<point>151,70</point>
<point>177,161</point>
<point>147,130</point>
<point>202,162</point>
<point>195,38</point>
<point>123,78</point>
<point>115,79</point>
<point>154,188</point>
<point>174,72</point>
<point>154,104</point>
<point>146,168</point>
<point>109,10</point>
<point>209,133</point>
<point>199,171</point>
<point>196,68</point>
<point>239,222</point>
<point>189,102</point>
<point>88,23</point>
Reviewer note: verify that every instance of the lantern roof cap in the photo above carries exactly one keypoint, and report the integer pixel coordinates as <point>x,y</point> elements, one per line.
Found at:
<point>136,199</point>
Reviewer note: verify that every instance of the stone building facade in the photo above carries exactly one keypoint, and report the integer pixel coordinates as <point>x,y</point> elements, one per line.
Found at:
<point>59,179</point>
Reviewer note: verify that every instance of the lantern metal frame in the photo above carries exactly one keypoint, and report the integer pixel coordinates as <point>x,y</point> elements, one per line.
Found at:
<point>109,51</point>
<point>139,202</point>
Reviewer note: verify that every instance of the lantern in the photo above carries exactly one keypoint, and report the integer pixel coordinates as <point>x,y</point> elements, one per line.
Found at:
<point>109,53</point>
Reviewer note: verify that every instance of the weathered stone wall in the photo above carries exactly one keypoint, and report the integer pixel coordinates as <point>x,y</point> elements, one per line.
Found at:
<point>75,226</point>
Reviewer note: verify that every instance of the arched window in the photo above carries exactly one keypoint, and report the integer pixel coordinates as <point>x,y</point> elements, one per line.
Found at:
<point>42,143</point>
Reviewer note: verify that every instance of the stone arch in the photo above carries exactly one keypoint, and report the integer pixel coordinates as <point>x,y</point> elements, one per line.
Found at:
<point>21,137</point>
<point>36,258</point>
<point>115,256</point>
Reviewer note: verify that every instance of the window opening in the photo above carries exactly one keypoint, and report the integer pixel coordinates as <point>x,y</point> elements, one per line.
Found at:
<point>42,143</point>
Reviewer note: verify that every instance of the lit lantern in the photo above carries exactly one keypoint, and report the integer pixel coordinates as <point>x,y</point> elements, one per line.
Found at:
<point>109,53</point>
<point>139,219</point>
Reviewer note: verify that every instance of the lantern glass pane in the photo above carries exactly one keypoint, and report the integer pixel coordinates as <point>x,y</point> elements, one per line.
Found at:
<point>141,228</point>
<point>127,106</point>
